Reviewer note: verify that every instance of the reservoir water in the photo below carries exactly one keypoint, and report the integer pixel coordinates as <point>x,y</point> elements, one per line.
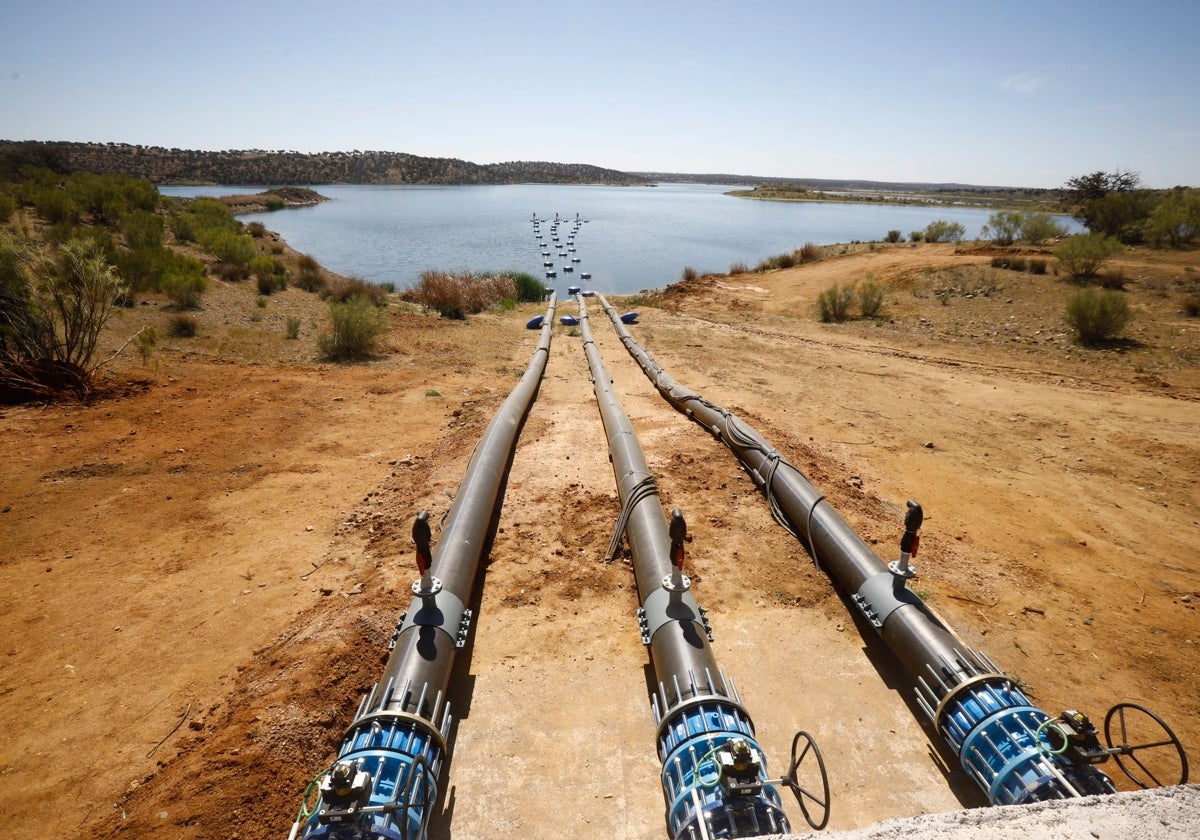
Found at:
<point>635,237</point>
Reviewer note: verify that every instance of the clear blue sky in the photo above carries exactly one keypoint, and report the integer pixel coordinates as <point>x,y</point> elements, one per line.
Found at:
<point>1012,93</point>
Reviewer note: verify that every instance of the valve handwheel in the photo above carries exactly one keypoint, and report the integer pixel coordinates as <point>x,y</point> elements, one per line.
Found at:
<point>805,797</point>
<point>1163,756</point>
<point>416,775</point>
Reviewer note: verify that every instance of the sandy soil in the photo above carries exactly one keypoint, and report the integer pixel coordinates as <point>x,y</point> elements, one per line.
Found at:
<point>202,567</point>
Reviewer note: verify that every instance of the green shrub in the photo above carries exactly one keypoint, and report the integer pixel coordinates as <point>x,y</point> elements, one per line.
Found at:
<point>1083,255</point>
<point>892,236</point>
<point>183,226</point>
<point>833,304</point>
<point>55,206</point>
<point>182,325</point>
<point>227,246</point>
<point>53,307</point>
<point>916,236</point>
<point>943,231</point>
<point>184,288</point>
<point>390,288</point>
<point>264,270</point>
<point>356,327</point>
<point>142,229</point>
<point>529,288</point>
<point>1097,317</point>
<point>870,298</point>
<point>8,206</point>
<point>1038,227</point>
<point>1002,227</point>
<point>292,328</point>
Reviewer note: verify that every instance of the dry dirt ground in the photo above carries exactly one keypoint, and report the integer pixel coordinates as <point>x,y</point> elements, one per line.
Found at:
<point>203,565</point>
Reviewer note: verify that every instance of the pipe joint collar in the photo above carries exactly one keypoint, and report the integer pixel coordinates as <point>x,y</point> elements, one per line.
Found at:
<point>664,606</point>
<point>443,610</point>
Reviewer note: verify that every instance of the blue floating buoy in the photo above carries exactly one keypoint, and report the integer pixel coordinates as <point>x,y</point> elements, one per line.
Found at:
<point>587,275</point>
<point>535,323</point>
<point>569,320</point>
<point>588,293</point>
<point>629,318</point>
<point>573,290</point>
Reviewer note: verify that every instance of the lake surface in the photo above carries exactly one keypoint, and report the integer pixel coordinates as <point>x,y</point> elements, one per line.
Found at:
<point>635,237</point>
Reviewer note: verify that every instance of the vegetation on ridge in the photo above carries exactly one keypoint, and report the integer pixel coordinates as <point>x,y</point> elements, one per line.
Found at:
<point>258,166</point>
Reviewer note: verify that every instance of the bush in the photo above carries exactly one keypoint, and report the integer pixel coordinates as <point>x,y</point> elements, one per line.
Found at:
<point>184,288</point>
<point>52,311</point>
<point>182,325</point>
<point>1037,265</point>
<point>8,206</point>
<point>1191,305</point>
<point>142,229</point>
<point>529,288</point>
<point>227,246</point>
<point>341,291</point>
<point>833,304</point>
<point>689,274</point>
<point>738,268</point>
<point>1012,263</point>
<point>870,298</point>
<point>892,236</point>
<point>265,273</point>
<point>809,252</point>
<point>292,328</point>
<point>1038,227</point>
<point>1083,255</point>
<point>916,235</point>
<point>943,231</point>
<point>310,279</point>
<point>356,327</point>
<point>256,229</point>
<point>1002,227</point>
<point>458,295</point>
<point>55,206</point>
<point>1097,317</point>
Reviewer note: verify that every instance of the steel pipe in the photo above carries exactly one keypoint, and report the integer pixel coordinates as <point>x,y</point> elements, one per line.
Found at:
<point>384,782</point>
<point>981,713</point>
<point>703,728</point>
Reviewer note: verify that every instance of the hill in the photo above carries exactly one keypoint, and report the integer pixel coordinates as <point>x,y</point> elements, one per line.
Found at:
<point>257,166</point>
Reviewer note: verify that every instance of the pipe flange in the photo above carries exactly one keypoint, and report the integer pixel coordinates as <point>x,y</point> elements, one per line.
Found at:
<point>685,583</point>
<point>422,723</point>
<point>958,689</point>
<point>435,586</point>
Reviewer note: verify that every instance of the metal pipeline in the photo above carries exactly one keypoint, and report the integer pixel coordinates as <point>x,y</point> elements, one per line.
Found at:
<point>384,782</point>
<point>713,772</point>
<point>1013,750</point>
